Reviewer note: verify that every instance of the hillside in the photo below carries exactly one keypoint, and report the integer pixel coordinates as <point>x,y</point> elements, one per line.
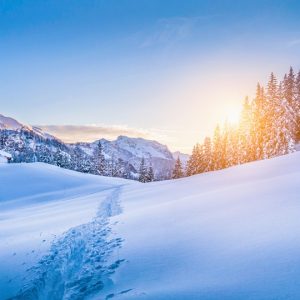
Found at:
<point>230,234</point>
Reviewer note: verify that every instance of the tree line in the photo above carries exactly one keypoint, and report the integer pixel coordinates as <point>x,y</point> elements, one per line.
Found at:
<point>269,126</point>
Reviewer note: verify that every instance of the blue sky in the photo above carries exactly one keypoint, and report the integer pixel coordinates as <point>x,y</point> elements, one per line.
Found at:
<point>168,70</point>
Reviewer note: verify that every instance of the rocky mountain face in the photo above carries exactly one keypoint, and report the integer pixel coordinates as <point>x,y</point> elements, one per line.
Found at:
<point>122,156</point>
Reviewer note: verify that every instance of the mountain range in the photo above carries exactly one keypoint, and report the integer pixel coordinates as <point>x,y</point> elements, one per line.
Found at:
<point>123,156</point>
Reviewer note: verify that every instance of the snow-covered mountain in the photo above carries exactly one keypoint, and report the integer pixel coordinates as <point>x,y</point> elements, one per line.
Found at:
<point>182,156</point>
<point>30,144</point>
<point>229,234</point>
<point>132,150</point>
<point>7,123</point>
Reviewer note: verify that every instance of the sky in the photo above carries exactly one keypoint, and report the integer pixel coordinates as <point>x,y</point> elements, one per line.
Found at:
<point>166,70</point>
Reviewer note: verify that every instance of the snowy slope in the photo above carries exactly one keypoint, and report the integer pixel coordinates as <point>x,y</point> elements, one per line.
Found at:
<point>231,234</point>
<point>38,204</point>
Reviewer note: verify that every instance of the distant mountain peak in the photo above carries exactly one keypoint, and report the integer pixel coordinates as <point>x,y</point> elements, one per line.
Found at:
<point>10,123</point>
<point>36,145</point>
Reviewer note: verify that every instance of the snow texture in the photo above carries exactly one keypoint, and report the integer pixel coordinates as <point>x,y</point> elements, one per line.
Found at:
<point>229,234</point>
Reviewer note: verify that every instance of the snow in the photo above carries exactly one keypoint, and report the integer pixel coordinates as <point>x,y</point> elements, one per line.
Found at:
<point>9,123</point>
<point>132,150</point>
<point>124,149</point>
<point>39,203</point>
<point>182,156</point>
<point>230,234</point>
<point>142,148</point>
<point>4,154</point>
<point>12,124</point>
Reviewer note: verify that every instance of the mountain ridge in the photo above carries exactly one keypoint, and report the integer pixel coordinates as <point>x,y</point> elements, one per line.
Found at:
<point>30,143</point>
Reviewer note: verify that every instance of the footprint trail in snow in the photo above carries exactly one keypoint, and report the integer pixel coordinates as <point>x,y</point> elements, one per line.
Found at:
<point>77,264</point>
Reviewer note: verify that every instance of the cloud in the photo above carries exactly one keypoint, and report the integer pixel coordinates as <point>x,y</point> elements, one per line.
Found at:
<point>89,133</point>
<point>172,30</point>
<point>92,132</point>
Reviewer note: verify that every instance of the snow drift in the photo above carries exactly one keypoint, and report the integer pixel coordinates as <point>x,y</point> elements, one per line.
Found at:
<point>230,234</point>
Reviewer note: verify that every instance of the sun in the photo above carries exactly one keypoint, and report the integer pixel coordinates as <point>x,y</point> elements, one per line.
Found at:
<point>233,116</point>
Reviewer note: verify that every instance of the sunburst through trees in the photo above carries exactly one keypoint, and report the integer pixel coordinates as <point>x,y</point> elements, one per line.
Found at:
<point>268,126</point>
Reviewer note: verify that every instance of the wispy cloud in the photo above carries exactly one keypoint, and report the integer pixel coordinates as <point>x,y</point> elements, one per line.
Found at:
<point>93,132</point>
<point>88,133</point>
<point>172,30</point>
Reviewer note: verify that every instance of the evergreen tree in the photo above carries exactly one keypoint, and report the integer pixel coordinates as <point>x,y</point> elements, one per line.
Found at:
<point>258,124</point>
<point>143,171</point>
<point>232,147</point>
<point>225,146</point>
<point>244,134</point>
<point>177,172</point>
<point>99,160</point>
<point>270,118</point>
<point>194,162</point>
<point>2,139</point>
<point>289,102</point>
<point>217,150</point>
<point>207,155</point>
<point>58,160</point>
<point>150,173</point>
<point>297,106</point>
<point>285,125</point>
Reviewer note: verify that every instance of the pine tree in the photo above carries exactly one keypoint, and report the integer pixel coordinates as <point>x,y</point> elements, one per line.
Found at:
<point>177,172</point>
<point>225,146</point>
<point>58,161</point>
<point>112,167</point>
<point>270,118</point>
<point>2,139</point>
<point>289,102</point>
<point>207,155</point>
<point>297,106</point>
<point>150,173</point>
<point>258,124</point>
<point>217,149</point>
<point>143,171</point>
<point>194,165</point>
<point>233,147</point>
<point>99,160</point>
<point>244,134</point>
<point>285,124</point>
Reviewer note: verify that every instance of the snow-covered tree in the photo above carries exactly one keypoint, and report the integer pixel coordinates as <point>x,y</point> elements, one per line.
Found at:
<point>269,126</point>
<point>217,149</point>
<point>143,171</point>
<point>99,160</point>
<point>177,171</point>
<point>150,173</point>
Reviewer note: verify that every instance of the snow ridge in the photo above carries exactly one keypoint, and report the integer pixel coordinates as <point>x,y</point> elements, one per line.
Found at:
<point>77,265</point>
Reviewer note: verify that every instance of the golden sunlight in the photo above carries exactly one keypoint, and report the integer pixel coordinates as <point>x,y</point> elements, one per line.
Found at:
<point>233,116</point>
